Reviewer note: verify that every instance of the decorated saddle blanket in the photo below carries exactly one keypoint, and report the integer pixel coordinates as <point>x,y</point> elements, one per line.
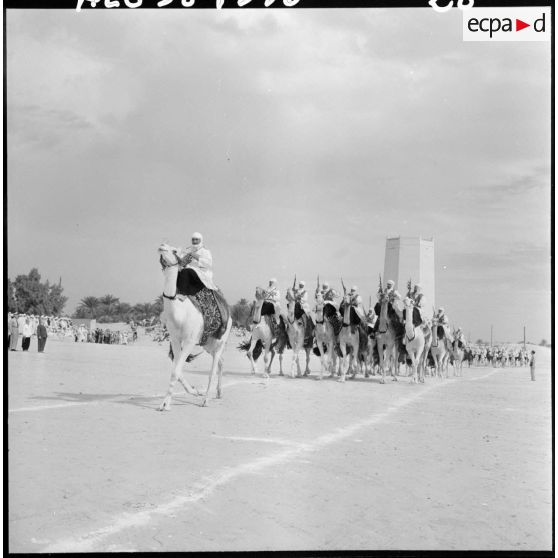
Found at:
<point>354,318</point>
<point>330,314</point>
<point>267,309</point>
<point>416,317</point>
<point>188,283</point>
<point>215,312</point>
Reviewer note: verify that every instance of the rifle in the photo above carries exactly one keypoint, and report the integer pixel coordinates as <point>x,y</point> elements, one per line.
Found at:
<point>294,282</point>
<point>318,284</point>
<point>344,289</point>
<point>381,288</point>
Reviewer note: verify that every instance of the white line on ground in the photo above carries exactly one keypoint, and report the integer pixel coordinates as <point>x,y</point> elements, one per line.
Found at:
<point>76,403</point>
<point>90,541</point>
<point>277,441</point>
<point>47,407</point>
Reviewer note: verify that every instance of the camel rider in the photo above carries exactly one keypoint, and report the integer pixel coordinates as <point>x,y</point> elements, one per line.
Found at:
<point>301,296</point>
<point>459,336</point>
<point>371,318</point>
<point>420,302</point>
<point>198,258</point>
<point>441,319</point>
<point>328,294</point>
<point>273,296</point>
<point>390,291</point>
<point>355,300</point>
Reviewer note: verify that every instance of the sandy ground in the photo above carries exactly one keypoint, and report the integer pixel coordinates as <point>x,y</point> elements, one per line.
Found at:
<point>284,464</point>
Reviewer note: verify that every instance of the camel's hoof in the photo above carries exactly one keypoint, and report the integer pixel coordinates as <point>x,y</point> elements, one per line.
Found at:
<point>164,407</point>
<point>204,403</point>
<point>382,381</point>
<point>341,380</point>
<point>266,376</point>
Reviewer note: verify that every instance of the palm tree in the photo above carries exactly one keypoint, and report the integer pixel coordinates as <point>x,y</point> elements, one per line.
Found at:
<point>90,304</point>
<point>109,301</point>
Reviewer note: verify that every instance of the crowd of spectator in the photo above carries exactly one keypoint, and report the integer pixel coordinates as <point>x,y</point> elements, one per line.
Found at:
<point>28,326</point>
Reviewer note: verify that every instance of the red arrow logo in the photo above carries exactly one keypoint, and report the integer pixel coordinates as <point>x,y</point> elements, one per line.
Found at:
<point>519,25</point>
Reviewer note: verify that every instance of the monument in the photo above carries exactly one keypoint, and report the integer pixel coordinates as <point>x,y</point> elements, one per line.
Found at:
<point>411,257</point>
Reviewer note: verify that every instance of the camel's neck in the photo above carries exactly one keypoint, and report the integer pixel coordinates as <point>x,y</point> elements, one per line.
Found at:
<point>409,328</point>
<point>347,313</point>
<point>383,316</point>
<point>319,313</point>
<point>169,281</point>
<point>258,312</point>
<point>291,310</point>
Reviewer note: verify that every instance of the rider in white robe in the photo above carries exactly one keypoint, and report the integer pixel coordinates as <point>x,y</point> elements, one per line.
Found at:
<point>420,302</point>
<point>198,258</point>
<point>273,296</point>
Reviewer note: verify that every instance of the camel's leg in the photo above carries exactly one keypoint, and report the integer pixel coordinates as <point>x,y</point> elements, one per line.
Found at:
<point>382,364</point>
<point>220,378</point>
<point>413,368</point>
<point>344,362</point>
<point>180,355</point>
<point>272,350</point>
<point>323,363</point>
<point>298,369</point>
<point>253,343</point>
<point>354,363</point>
<point>281,364</point>
<point>307,370</point>
<point>267,361</point>
<point>214,367</point>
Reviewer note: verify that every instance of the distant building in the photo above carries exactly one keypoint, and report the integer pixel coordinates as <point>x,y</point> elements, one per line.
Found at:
<point>411,257</point>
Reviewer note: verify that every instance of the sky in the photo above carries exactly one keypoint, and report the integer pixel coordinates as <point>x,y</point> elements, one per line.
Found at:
<point>295,140</point>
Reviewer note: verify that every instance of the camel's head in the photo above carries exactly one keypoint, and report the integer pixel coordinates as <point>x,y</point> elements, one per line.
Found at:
<point>167,255</point>
<point>408,302</point>
<point>260,293</point>
<point>319,299</point>
<point>290,296</point>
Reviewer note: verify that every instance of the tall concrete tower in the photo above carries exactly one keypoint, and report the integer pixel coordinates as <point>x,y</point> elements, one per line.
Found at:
<point>411,257</point>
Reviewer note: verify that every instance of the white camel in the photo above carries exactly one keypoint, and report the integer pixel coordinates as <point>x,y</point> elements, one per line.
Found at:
<point>458,355</point>
<point>349,341</point>
<point>386,340</point>
<point>439,351</point>
<point>184,323</point>
<point>414,341</point>
<point>261,332</point>
<point>325,336</point>
<point>295,331</point>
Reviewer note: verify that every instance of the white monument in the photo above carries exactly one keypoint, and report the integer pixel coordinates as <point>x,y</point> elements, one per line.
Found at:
<point>411,257</point>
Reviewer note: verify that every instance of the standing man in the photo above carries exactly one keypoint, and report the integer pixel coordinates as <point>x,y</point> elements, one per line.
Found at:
<point>41,335</point>
<point>14,333</point>
<point>532,366</point>
<point>27,331</point>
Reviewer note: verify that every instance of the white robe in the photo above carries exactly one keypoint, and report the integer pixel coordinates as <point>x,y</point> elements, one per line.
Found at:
<point>203,266</point>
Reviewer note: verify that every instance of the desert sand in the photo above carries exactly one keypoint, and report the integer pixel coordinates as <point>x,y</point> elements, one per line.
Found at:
<point>277,464</point>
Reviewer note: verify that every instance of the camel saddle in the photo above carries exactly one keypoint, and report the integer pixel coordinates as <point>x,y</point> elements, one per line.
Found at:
<point>211,304</point>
